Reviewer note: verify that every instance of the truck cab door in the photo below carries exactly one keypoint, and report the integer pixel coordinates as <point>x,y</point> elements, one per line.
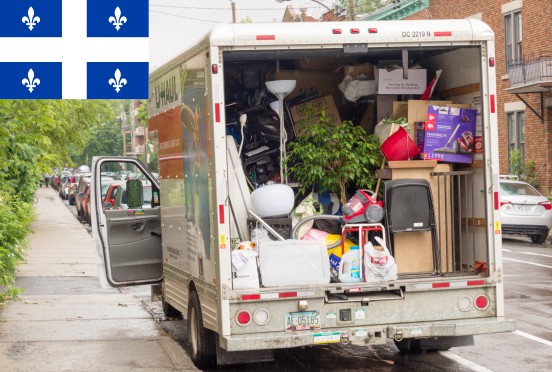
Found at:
<point>128,238</point>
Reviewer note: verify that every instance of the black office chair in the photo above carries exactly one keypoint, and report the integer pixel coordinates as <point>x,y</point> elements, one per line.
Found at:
<point>409,208</point>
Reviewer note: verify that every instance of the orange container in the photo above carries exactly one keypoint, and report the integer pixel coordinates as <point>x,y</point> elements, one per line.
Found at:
<point>399,146</point>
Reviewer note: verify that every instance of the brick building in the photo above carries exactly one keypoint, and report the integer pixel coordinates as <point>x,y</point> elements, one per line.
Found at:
<point>523,34</point>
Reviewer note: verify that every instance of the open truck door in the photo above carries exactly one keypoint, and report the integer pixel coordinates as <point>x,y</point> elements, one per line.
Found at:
<point>127,233</point>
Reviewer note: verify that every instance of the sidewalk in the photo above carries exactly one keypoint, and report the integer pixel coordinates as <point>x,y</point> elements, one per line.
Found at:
<point>65,320</point>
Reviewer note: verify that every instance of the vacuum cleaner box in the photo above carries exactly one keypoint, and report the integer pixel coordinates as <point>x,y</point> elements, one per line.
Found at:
<point>447,134</point>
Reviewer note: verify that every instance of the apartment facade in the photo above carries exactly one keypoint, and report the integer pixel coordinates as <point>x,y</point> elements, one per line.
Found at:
<point>523,34</point>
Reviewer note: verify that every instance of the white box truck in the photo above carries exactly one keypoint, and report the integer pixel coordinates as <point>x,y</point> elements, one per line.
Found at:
<point>181,231</point>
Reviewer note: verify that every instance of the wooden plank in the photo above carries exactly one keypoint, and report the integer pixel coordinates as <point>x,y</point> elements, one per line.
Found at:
<point>465,89</point>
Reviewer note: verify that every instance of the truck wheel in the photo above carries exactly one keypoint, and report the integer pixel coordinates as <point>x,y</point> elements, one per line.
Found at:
<point>409,346</point>
<point>539,239</point>
<point>201,338</point>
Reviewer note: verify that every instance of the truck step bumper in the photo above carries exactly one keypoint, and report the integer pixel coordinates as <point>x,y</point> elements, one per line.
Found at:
<point>283,340</point>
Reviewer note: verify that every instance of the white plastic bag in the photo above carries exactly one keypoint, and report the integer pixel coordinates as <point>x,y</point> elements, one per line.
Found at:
<point>379,266</point>
<point>244,269</point>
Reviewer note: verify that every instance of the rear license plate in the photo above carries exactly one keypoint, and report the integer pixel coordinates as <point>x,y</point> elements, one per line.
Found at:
<point>301,321</point>
<point>522,208</point>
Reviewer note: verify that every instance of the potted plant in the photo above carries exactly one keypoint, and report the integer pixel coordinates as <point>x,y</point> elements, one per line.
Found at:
<point>331,157</point>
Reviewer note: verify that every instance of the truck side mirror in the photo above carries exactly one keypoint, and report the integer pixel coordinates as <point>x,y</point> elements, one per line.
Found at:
<point>135,194</point>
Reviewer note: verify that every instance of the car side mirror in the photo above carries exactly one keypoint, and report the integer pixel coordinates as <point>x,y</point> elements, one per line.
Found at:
<point>134,191</point>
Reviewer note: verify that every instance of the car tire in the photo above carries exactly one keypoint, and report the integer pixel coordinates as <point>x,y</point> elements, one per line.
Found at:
<point>539,238</point>
<point>201,338</point>
<point>71,201</point>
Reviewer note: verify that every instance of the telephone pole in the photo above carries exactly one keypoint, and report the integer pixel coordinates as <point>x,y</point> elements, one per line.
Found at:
<point>233,11</point>
<point>352,8</point>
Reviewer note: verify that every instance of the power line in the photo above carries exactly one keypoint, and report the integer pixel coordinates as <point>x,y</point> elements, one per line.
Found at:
<point>179,16</point>
<point>203,8</point>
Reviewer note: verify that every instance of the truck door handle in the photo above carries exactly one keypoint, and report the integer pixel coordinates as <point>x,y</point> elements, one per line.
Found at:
<point>138,227</point>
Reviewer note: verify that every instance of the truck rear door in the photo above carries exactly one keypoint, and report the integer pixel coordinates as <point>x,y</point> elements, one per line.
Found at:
<point>127,236</point>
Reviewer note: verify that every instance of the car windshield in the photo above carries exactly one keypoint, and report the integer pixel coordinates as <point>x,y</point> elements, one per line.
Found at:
<point>517,188</point>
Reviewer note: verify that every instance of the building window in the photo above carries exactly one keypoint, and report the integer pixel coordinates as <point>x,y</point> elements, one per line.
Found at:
<point>513,37</point>
<point>516,133</point>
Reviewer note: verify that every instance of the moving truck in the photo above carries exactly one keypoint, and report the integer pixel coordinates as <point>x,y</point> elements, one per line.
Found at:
<point>450,283</point>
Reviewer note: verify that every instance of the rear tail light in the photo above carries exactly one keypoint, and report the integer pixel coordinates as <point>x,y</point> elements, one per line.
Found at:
<point>243,317</point>
<point>464,303</point>
<point>481,302</point>
<point>546,204</point>
<point>503,202</point>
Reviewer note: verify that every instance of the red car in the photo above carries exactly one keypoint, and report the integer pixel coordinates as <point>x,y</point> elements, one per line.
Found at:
<point>85,204</point>
<point>109,195</point>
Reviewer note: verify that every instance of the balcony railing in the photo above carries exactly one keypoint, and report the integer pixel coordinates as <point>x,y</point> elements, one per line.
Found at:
<point>533,75</point>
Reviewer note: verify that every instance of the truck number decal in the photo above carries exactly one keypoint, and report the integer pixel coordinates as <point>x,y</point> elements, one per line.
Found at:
<point>416,34</point>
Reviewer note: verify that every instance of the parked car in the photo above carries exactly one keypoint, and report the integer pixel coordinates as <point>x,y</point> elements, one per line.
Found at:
<point>109,195</point>
<point>73,188</point>
<point>81,188</point>
<point>56,181</point>
<point>64,183</point>
<point>120,196</point>
<point>85,203</point>
<point>524,210</point>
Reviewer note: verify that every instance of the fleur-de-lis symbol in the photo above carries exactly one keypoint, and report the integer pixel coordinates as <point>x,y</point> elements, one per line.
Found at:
<point>30,81</point>
<point>117,83</point>
<point>30,20</point>
<point>117,20</point>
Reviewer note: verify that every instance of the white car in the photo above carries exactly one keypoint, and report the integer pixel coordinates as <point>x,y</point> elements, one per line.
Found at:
<point>524,210</point>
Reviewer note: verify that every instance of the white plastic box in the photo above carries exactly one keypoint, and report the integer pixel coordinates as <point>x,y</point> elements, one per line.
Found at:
<point>293,262</point>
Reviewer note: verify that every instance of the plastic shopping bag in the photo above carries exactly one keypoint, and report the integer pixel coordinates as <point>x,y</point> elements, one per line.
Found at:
<point>379,265</point>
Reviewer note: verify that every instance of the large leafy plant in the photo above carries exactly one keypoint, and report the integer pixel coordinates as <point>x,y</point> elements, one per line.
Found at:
<point>330,157</point>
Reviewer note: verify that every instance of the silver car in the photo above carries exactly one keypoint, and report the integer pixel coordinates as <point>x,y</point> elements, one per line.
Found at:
<point>524,210</point>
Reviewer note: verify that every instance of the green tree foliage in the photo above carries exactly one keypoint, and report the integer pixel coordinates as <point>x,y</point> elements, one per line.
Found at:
<point>524,170</point>
<point>35,136</point>
<point>332,157</point>
<point>363,6</point>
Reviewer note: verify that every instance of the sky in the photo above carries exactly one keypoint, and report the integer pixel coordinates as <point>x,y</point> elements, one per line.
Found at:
<point>176,25</point>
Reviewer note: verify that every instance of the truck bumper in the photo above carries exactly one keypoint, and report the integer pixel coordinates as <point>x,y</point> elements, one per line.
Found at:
<point>283,340</point>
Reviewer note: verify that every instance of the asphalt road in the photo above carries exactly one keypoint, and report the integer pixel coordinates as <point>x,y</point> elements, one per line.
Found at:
<point>528,299</point>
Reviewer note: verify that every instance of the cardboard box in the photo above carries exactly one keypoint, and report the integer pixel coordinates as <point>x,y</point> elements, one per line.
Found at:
<point>323,82</point>
<point>447,134</point>
<point>299,113</point>
<point>356,71</point>
<point>392,82</point>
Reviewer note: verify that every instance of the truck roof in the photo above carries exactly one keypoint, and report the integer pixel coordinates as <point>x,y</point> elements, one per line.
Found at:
<point>330,34</point>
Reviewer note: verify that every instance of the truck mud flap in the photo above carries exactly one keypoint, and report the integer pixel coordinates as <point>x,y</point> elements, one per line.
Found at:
<point>451,328</point>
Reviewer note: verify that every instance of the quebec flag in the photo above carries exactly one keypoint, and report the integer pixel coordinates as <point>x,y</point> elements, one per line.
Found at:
<point>117,80</point>
<point>30,18</point>
<point>31,80</point>
<point>117,18</point>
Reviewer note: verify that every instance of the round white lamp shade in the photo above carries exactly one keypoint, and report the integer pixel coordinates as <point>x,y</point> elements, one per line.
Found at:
<point>281,86</point>
<point>272,200</point>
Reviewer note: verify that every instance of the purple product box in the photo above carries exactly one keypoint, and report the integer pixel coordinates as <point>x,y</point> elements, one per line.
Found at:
<point>447,134</point>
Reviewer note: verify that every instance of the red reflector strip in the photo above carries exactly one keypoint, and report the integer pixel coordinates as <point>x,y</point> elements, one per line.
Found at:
<point>266,37</point>
<point>440,285</point>
<point>287,294</point>
<point>217,112</point>
<point>496,201</point>
<point>251,297</point>
<point>493,108</point>
<point>355,31</point>
<point>221,214</point>
<point>475,282</point>
<point>354,290</point>
<point>372,30</point>
<point>336,31</point>
<point>442,33</point>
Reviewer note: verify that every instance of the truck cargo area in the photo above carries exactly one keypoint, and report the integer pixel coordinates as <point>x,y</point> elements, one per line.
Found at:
<point>459,190</point>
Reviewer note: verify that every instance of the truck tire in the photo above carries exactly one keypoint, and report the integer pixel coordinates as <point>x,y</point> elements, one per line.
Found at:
<point>539,239</point>
<point>201,338</point>
<point>409,346</point>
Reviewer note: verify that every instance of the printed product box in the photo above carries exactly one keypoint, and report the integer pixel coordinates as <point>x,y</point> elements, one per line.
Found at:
<point>447,134</point>
<point>392,82</point>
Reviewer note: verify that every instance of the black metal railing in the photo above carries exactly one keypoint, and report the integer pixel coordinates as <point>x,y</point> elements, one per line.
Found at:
<point>532,70</point>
